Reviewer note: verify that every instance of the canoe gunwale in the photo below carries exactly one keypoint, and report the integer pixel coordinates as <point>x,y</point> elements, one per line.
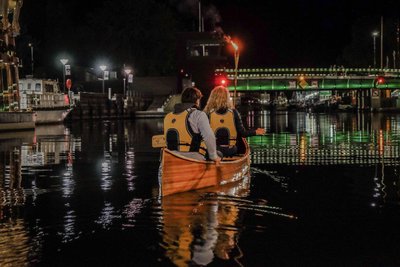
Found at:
<point>178,155</point>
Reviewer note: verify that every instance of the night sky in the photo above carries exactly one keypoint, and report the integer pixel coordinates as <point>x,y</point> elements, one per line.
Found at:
<point>301,32</point>
<point>278,33</point>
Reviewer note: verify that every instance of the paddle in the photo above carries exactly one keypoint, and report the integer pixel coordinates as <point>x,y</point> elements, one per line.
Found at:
<point>158,141</point>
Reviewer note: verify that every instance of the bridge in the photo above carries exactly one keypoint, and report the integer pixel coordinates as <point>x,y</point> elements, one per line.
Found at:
<point>293,79</point>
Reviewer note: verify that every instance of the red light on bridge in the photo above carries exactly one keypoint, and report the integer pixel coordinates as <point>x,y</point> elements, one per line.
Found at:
<point>379,81</point>
<point>221,79</point>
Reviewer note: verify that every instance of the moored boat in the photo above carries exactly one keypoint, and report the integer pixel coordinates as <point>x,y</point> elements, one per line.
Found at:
<point>45,99</point>
<point>180,174</point>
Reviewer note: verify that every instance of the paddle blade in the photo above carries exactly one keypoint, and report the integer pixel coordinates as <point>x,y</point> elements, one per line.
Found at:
<point>158,141</point>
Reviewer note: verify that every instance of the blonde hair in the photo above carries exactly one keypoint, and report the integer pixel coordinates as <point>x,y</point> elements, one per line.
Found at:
<point>219,99</point>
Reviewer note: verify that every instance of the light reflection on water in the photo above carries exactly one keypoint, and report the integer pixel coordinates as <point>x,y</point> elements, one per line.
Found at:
<point>63,189</point>
<point>14,243</point>
<point>202,227</point>
<point>329,140</point>
<point>129,173</point>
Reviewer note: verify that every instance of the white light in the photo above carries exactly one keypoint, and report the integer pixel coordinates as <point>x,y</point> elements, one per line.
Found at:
<point>64,61</point>
<point>103,67</point>
<point>127,71</point>
<point>235,46</point>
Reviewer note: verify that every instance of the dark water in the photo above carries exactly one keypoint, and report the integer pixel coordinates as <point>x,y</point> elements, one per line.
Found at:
<point>324,191</point>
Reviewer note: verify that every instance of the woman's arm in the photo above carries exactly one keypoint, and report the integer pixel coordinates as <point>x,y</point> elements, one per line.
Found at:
<point>241,130</point>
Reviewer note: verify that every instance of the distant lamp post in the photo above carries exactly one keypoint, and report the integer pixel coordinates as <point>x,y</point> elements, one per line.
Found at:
<point>374,35</point>
<point>31,46</point>
<point>64,61</point>
<point>103,68</point>
<point>236,57</point>
<point>127,72</point>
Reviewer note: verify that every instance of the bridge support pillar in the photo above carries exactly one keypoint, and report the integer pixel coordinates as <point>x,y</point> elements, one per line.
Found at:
<point>363,100</point>
<point>376,102</point>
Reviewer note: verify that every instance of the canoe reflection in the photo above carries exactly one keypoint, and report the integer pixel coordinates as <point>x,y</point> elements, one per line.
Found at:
<point>201,225</point>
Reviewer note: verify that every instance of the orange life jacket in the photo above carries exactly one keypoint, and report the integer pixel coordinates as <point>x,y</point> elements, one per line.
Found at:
<point>179,135</point>
<point>224,127</point>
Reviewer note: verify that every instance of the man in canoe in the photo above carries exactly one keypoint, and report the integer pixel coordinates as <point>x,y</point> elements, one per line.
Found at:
<point>226,122</point>
<point>188,130</point>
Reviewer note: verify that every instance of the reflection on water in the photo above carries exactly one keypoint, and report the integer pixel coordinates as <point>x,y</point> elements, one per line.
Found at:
<point>14,240</point>
<point>13,235</point>
<point>203,226</point>
<point>59,184</point>
<point>330,180</point>
<point>363,147</point>
<point>199,226</point>
<point>310,139</point>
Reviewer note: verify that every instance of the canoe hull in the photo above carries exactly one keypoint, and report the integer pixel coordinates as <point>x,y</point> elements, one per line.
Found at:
<point>181,174</point>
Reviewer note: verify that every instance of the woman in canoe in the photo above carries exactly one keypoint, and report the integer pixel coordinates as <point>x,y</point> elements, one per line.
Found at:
<point>226,122</point>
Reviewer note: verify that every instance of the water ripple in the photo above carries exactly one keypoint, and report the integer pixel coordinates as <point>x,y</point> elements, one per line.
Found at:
<point>15,243</point>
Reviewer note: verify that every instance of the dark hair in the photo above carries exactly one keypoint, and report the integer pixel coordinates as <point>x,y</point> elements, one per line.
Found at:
<point>191,94</point>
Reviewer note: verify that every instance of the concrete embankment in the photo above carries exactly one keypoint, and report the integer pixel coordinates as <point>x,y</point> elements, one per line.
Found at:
<point>99,106</point>
<point>159,107</point>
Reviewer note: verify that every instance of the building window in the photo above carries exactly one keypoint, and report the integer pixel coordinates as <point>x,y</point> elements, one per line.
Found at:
<point>38,87</point>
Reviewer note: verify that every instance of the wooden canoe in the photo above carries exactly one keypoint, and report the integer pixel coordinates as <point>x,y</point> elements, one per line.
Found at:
<point>180,174</point>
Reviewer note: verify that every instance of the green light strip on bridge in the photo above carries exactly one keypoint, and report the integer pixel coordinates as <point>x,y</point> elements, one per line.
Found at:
<point>260,84</point>
<point>331,70</point>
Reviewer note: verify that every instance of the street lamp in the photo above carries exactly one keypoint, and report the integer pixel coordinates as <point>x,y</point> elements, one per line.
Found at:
<point>374,35</point>
<point>236,57</point>
<point>31,46</point>
<point>64,61</point>
<point>127,72</point>
<point>103,68</point>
